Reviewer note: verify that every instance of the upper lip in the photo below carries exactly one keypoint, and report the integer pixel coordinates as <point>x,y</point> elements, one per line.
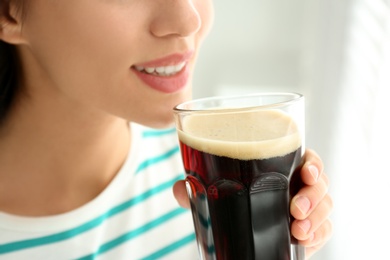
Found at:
<point>172,59</point>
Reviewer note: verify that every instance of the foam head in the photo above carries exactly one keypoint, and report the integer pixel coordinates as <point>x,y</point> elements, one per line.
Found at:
<point>243,135</point>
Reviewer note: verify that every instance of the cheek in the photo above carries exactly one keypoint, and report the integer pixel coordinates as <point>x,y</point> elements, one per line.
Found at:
<point>83,55</point>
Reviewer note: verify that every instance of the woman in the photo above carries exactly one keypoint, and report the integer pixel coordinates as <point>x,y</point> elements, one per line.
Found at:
<point>82,172</point>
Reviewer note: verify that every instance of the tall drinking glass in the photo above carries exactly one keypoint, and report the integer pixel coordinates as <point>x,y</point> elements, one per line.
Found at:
<point>241,155</point>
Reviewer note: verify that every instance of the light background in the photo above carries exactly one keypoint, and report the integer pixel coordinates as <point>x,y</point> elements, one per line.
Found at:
<point>336,53</point>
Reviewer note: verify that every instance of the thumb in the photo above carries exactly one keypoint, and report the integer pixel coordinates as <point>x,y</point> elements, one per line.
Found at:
<point>180,193</point>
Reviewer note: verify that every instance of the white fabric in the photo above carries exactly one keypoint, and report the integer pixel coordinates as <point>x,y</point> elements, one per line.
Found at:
<point>135,217</point>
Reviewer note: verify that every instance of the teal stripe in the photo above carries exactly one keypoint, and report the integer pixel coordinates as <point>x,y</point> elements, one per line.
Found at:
<point>205,222</point>
<point>149,162</point>
<point>170,248</point>
<point>61,236</point>
<point>157,133</point>
<point>134,233</point>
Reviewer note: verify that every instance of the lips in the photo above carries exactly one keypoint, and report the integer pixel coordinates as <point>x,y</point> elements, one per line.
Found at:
<point>168,74</point>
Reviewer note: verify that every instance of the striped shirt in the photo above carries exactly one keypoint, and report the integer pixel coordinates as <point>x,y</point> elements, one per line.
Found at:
<point>135,217</point>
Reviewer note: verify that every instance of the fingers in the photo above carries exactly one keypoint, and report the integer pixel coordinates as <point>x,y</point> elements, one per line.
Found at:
<point>311,206</point>
<point>312,168</point>
<point>310,195</point>
<point>180,193</point>
<point>318,239</point>
<point>306,230</point>
<point>308,198</point>
<point>314,231</point>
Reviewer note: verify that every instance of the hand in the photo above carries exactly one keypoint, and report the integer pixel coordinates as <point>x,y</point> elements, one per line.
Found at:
<point>311,226</point>
<point>311,206</point>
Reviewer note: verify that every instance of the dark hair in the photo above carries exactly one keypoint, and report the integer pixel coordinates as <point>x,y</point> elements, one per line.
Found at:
<point>8,78</point>
<point>8,66</point>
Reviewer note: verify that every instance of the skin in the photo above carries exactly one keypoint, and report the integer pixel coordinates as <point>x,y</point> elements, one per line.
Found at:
<point>78,95</point>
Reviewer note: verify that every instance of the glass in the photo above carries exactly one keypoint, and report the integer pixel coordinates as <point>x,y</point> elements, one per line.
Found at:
<point>240,155</point>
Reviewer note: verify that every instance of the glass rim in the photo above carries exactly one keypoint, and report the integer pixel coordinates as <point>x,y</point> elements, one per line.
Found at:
<point>291,97</point>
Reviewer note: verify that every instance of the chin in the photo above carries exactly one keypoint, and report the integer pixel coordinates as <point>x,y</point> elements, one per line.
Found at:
<point>161,115</point>
<point>164,119</point>
<point>159,124</point>
<point>164,122</point>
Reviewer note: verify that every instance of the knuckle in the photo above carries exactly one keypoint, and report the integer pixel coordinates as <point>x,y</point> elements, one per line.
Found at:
<point>328,226</point>
<point>325,178</point>
<point>329,202</point>
<point>323,233</point>
<point>320,189</point>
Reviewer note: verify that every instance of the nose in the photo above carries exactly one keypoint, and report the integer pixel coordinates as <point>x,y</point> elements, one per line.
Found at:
<point>176,18</point>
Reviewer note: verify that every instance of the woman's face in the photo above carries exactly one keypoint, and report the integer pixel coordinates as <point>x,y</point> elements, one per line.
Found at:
<point>129,58</point>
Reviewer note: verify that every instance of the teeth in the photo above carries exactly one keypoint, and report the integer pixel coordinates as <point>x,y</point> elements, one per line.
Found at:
<point>162,71</point>
<point>149,70</point>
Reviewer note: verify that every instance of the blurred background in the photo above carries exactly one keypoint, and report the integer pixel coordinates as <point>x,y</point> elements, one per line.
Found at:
<point>336,53</point>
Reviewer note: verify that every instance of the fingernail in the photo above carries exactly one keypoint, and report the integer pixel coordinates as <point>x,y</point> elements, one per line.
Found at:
<point>303,204</point>
<point>305,225</point>
<point>313,171</point>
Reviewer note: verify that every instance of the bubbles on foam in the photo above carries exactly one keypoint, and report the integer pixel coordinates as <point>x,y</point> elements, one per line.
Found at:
<point>242,135</point>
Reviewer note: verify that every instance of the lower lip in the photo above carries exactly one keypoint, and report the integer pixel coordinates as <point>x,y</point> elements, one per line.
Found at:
<point>166,84</point>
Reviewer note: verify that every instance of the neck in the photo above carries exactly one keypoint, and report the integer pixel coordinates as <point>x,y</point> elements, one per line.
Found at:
<point>55,156</point>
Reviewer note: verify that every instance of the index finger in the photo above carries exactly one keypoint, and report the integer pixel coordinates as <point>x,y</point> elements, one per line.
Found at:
<point>312,168</point>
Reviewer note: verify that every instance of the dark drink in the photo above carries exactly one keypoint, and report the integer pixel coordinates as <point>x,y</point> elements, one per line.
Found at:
<point>239,183</point>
